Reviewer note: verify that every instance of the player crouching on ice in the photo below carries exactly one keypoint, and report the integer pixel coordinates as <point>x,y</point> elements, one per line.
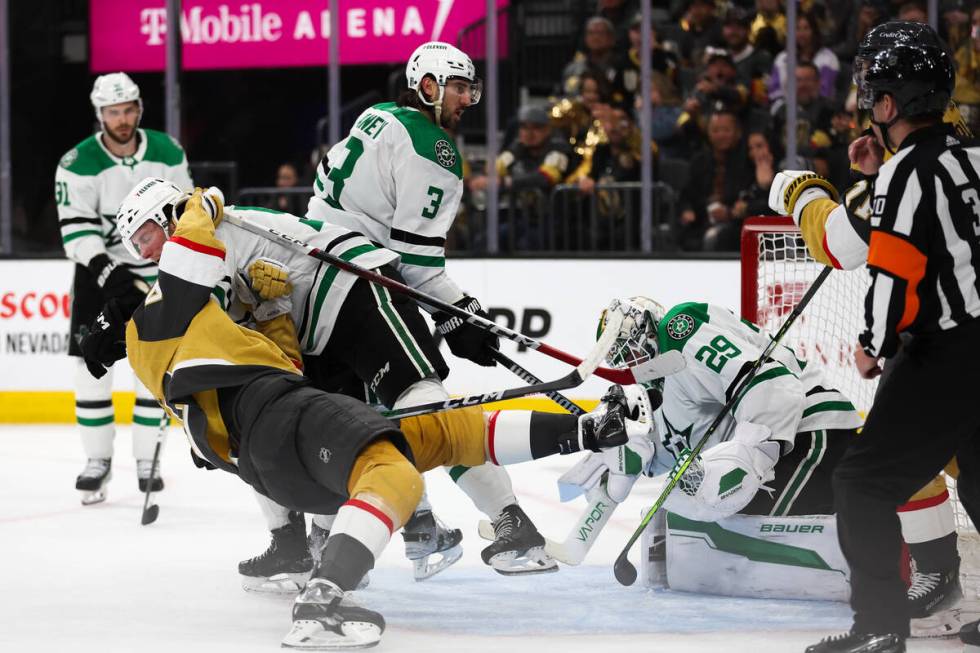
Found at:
<point>247,409</point>
<point>729,531</point>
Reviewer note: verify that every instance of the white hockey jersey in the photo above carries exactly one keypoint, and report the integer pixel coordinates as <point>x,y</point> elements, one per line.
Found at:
<point>319,289</point>
<point>91,183</point>
<point>398,179</point>
<point>787,395</point>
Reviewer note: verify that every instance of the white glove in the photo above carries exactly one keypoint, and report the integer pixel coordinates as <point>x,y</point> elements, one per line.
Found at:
<point>792,190</point>
<point>623,463</point>
<point>724,479</point>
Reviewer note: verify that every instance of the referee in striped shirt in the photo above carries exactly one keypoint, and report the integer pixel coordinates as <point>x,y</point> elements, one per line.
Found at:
<point>924,258</point>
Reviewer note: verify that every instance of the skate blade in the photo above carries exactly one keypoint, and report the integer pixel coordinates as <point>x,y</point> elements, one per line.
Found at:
<point>277,584</point>
<point>434,563</point>
<point>533,561</point>
<point>946,623</point>
<point>90,498</point>
<point>310,635</point>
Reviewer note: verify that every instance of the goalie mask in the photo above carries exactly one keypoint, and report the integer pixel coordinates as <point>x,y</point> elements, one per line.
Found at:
<point>152,199</point>
<point>637,339</point>
<point>114,88</point>
<point>442,62</point>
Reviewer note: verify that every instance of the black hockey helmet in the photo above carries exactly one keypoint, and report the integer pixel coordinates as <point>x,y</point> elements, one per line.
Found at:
<point>906,60</point>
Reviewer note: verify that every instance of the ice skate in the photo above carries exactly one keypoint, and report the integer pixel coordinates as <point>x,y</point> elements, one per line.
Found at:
<point>430,545</point>
<point>285,566</point>
<point>860,643</point>
<point>931,593</point>
<point>970,636</point>
<point>518,547</point>
<point>143,471</point>
<point>93,480</point>
<point>947,622</point>
<point>325,618</point>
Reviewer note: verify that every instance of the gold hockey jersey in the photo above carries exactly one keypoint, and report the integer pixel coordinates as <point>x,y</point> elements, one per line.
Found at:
<point>184,347</point>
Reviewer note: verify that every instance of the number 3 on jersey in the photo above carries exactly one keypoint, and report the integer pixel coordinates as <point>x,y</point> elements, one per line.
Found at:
<point>338,176</point>
<point>432,210</point>
<point>717,353</point>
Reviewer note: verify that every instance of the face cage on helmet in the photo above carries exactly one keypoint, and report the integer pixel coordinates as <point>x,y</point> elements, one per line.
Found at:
<point>638,345</point>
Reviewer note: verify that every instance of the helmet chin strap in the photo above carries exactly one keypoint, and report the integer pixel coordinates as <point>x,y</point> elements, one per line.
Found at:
<point>884,127</point>
<point>435,104</point>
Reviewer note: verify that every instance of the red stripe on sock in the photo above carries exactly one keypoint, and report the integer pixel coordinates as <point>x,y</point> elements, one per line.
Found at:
<point>491,434</point>
<point>367,507</point>
<point>198,247</point>
<point>922,504</point>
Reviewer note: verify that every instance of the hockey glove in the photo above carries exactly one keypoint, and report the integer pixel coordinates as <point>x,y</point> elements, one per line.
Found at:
<point>464,339</point>
<point>270,279</point>
<point>624,464</point>
<point>104,342</point>
<point>792,190</point>
<point>118,282</point>
<point>212,200</point>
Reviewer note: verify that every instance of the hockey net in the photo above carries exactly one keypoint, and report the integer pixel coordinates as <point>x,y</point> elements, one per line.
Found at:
<point>776,272</point>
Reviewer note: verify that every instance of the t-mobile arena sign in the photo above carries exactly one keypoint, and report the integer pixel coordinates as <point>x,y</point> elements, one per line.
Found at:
<point>131,35</point>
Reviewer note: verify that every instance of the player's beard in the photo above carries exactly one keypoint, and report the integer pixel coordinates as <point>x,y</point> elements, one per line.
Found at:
<point>114,134</point>
<point>450,120</point>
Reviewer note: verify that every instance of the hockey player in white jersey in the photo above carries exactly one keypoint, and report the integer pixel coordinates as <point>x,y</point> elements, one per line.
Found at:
<point>318,314</point>
<point>397,178</point>
<point>91,180</point>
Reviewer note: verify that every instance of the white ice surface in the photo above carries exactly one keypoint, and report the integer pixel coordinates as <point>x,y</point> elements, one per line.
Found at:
<point>91,579</point>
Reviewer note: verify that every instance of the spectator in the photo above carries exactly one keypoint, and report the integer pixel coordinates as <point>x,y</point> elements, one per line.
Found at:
<point>599,56</point>
<point>751,64</point>
<point>718,173</point>
<point>627,82</point>
<point>967,91</point>
<point>287,176</point>
<point>620,14</point>
<point>813,113</point>
<point>956,22</point>
<point>617,156</point>
<point>754,200</point>
<point>667,111</point>
<point>527,169</point>
<point>868,14</point>
<point>808,50</point>
<point>717,89</point>
<point>768,30</point>
<point>914,11</point>
<point>700,29</point>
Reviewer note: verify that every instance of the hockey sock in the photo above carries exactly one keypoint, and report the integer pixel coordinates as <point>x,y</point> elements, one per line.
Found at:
<point>324,521</point>
<point>94,413</point>
<point>515,436</point>
<point>275,515</point>
<point>488,486</point>
<point>147,417</point>
<point>939,555</point>
<point>359,535</point>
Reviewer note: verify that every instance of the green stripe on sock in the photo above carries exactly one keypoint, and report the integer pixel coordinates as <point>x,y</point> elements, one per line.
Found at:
<point>457,471</point>
<point>146,421</point>
<point>95,421</point>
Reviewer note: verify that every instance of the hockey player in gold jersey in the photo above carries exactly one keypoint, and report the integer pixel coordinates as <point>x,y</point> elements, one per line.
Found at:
<point>247,409</point>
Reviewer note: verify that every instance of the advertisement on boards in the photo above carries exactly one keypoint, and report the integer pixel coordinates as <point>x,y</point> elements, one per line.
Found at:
<point>131,35</point>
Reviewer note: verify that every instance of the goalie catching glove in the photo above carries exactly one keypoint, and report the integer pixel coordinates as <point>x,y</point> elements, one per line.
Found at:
<point>724,479</point>
<point>626,410</point>
<point>104,342</point>
<point>464,339</point>
<point>792,190</point>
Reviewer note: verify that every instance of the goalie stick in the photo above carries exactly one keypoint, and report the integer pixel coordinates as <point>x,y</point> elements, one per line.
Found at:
<point>656,368</point>
<point>576,377</point>
<point>623,569</point>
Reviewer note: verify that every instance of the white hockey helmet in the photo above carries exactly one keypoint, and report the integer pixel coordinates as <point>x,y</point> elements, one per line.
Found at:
<point>151,199</point>
<point>114,88</point>
<point>637,339</point>
<point>443,62</point>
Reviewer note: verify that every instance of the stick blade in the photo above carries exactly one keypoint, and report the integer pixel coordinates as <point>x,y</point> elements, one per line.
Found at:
<point>624,570</point>
<point>150,515</point>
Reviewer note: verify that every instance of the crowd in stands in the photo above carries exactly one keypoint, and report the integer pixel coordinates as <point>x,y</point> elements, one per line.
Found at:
<point>719,71</point>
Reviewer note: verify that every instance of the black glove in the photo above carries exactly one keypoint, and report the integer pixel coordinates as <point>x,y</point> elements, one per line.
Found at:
<point>104,342</point>
<point>118,282</point>
<point>464,339</point>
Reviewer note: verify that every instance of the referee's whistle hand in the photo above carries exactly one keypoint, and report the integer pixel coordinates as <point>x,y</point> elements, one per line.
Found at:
<point>867,366</point>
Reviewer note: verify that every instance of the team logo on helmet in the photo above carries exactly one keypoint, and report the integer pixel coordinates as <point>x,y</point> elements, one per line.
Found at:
<point>445,154</point>
<point>680,326</point>
<point>69,158</point>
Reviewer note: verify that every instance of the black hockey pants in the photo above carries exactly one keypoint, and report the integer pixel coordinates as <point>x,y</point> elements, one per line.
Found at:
<point>926,411</point>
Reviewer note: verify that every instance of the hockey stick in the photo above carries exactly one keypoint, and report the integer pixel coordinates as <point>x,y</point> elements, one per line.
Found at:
<point>623,569</point>
<point>556,397</point>
<point>576,377</point>
<point>151,512</point>
<point>656,368</point>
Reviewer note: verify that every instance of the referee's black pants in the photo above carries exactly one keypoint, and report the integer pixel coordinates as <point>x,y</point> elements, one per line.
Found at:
<point>926,411</point>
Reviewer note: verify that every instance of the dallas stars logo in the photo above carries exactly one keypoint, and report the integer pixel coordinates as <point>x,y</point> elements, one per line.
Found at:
<point>445,154</point>
<point>680,326</point>
<point>676,440</point>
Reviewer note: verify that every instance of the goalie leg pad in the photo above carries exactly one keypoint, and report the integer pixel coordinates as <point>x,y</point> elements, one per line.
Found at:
<point>758,557</point>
